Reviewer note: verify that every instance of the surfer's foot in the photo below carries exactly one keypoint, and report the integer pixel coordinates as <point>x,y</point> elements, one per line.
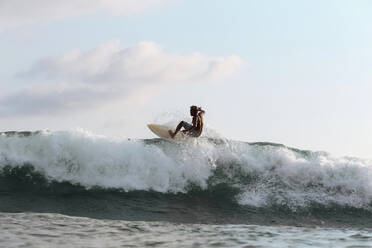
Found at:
<point>171,133</point>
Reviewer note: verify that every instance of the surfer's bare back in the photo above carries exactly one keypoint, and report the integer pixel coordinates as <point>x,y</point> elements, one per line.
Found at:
<point>195,129</point>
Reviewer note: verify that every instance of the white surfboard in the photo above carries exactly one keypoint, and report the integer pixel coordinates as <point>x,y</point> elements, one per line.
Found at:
<point>162,131</point>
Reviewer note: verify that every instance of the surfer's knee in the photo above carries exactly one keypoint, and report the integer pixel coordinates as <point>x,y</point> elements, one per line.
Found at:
<point>179,126</point>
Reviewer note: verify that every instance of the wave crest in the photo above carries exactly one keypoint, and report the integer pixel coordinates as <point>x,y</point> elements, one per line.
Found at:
<point>257,174</point>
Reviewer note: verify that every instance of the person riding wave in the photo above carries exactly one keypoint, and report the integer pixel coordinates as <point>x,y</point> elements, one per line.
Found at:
<point>195,129</point>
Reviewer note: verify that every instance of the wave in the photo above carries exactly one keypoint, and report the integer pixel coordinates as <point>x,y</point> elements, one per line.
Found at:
<point>251,174</point>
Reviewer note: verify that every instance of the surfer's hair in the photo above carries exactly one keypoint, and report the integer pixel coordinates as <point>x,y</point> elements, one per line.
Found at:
<point>194,110</point>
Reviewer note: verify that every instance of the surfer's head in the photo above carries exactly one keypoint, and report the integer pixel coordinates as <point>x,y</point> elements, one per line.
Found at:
<point>193,110</point>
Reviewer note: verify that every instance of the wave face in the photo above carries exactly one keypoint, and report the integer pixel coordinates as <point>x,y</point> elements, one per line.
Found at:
<point>259,175</point>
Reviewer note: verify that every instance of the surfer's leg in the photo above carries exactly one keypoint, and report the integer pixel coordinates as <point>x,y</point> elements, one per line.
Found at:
<point>178,128</point>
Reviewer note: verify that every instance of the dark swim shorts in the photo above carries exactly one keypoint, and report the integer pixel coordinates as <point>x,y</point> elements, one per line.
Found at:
<point>186,125</point>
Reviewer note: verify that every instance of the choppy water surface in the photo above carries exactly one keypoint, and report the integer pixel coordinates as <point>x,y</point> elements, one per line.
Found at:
<point>55,230</point>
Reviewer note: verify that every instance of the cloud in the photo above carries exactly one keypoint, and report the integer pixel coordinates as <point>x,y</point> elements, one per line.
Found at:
<point>141,63</point>
<point>76,80</point>
<point>49,100</point>
<point>14,13</point>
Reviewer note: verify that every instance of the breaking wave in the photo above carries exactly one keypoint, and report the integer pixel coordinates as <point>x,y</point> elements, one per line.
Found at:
<point>254,174</point>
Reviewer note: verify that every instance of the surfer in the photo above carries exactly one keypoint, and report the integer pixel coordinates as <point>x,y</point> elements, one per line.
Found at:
<point>195,129</point>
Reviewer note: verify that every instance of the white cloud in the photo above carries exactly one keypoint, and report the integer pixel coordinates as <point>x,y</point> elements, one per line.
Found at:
<point>20,12</point>
<point>77,79</point>
<point>48,100</point>
<point>143,62</point>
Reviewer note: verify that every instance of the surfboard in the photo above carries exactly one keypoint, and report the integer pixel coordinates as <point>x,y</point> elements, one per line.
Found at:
<point>162,131</point>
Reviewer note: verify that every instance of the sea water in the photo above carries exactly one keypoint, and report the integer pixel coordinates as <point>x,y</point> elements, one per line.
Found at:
<point>56,230</point>
<point>76,189</point>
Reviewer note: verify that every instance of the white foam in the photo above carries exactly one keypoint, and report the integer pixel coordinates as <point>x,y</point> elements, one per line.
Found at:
<point>274,175</point>
<point>295,181</point>
<point>80,157</point>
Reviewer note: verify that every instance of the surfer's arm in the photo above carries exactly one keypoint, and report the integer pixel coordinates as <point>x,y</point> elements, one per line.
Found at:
<point>201,112</point>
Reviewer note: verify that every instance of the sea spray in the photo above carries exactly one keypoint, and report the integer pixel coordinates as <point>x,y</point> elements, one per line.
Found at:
<point>256,174</point>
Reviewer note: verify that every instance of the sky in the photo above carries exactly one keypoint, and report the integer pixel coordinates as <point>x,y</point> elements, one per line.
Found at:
<point>292,72</point>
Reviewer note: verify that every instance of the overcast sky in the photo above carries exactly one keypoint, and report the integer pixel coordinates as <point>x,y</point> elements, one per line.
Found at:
<point>291,72</point>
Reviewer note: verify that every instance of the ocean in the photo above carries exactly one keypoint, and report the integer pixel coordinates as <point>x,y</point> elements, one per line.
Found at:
<point>77,189</point>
